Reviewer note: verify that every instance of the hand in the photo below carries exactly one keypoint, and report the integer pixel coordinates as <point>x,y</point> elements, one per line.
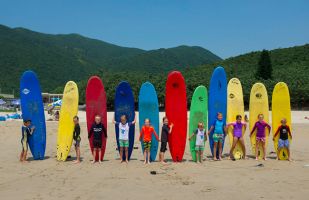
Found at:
<point>208,132</point>
<point>189,138</point>
<point>171,125</point>
<point>273,139</point>
<point>159,140</point>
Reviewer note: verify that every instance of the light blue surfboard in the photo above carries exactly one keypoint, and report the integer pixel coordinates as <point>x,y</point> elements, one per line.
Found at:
<point>148,107</point>
<point>217,100</point>
<point>124,105</point>
<point>33,109</point>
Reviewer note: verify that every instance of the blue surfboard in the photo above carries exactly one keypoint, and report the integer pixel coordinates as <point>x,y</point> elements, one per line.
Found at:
<point>33,109</point>
<point>217,100</point>
<point>148,107</point>
<point>124,105</point>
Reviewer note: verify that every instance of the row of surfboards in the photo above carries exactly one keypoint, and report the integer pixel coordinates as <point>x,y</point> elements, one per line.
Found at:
<point>222,97</point>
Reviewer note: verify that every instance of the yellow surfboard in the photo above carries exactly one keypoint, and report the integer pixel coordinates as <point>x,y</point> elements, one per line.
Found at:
<point>69,109</point>
<point>235,106</point>
<point>281,108</point>
<point>258,105</point>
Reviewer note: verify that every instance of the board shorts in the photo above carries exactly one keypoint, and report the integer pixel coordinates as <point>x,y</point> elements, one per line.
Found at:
<point>283,143</point>
<point>24,145</point>
<point>97,144</point>
<point>260,139</point>
<point>217,137</point>
<point>147,145</point>
<point>77,143</point>
<point>199,147</point>
<point>124,143</point>
<point>163,147</point>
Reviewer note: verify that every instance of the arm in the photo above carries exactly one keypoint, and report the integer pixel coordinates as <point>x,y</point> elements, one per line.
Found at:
<point>245,125</point>
<point>141,134</point>
<point>104,131</point>
<point>154,132</point>
<point>171,128</point>
<point>133,122</point>
<point>191,136</point>
<point>253,129</point>
<point>211,129</point>
<point>289,130</point>
<point>276,132</point>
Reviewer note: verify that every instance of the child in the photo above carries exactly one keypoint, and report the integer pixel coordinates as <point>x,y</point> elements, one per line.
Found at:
<point>219,134</point>
<point>260,126</point>
<point>146,135</point>
<point>237,135</point>
<point>77,139</point>
<point>97,130</point>
<point>124,128</point>
<point>26,131</point>
<point>284,131</point>
<point>201,137</point>
<point>166,130</point>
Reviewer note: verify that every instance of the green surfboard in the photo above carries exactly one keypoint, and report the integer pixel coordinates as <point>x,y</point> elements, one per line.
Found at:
<point>198,113</point>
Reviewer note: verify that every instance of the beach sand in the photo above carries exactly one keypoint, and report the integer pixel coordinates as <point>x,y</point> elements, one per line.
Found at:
<point>49,179</point>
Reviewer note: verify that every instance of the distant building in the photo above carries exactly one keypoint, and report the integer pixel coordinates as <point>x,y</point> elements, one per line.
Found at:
<point>7,96</point>
<point>50,98</point>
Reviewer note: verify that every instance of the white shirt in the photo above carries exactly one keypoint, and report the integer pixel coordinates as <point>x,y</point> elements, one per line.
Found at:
<point>200,135</point>
<point>124,131</point>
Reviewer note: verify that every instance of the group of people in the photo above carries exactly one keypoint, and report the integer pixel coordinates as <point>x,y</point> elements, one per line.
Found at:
<point>218,129</point>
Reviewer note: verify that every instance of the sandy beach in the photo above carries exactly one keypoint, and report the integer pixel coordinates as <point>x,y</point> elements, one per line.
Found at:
<point>49,179</point>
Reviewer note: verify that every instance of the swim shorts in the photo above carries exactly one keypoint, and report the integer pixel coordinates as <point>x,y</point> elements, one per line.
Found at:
<point>77,143</point>
<point>147,145</point>
<point>124,143</point>
<point>260,139</point>
<point>217,137</point>
<point>163,147</point>
<point>199,148</point>
<point>97,144</point>
<point>283,143</point>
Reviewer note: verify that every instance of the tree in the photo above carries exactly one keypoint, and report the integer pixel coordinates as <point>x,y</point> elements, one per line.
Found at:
<point>265,69</point>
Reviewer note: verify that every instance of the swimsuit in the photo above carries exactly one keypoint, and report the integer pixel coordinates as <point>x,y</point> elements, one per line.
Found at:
<point>164,137</point>
<point>218,135</point>
<point>26,131</point>
<point>260,133</point>
<point>200,138</point>
<point>146,133</point>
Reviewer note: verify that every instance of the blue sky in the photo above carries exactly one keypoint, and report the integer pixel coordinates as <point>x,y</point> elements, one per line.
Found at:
<point>227,28</point>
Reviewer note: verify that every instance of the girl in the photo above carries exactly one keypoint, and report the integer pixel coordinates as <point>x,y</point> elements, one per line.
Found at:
<point>98,130</point>
<point>146,135</point>
<point>260,126</point>
<point>219,134</point>
<point>237,132</point>
<point>201,137</point>
<point>77,139</point>
<point>124,128</point>
<point>26,132</point>
<point>166,130</point>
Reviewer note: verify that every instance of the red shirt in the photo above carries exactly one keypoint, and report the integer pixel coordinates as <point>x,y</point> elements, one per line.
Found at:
<point>147,133</point>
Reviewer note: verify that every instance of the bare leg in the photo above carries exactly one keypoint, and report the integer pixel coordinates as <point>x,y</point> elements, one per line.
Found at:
<point>215,150</point>
<point>197,156</point>
<point>100,156</point>
<point>235,140</point>
<point>278,153</point>
<point>220,150</point>
<point>242,143</point>
<point>264,150</point>
<point>94,154</point>
<point>162,158</point>
<point>289,155</point>
<point>25,156</point>
<point>21,156</point>
<point>145,157</point>
<point>121,154</point>
<point>201,156</point>
<point>148,156</point>
<point>127,154</point>
<point>257,143</point>
<point>77,149</point>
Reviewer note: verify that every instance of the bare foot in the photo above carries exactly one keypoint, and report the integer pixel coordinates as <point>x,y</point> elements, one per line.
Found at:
<point>163,162</point>
<point>220,158</point>
<point>264,158</point>
<point>289,159</point>
<point>100,162</point>
<point>76,161</point>
<point>121,161</point>
<point>145,162</point>
<point>127,161</point>
<point>93,162</point>
<point>256,158</point>
<point>215,159</point>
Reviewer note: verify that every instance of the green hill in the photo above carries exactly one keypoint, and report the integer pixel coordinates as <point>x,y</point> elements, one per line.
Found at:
<point>59,58</point>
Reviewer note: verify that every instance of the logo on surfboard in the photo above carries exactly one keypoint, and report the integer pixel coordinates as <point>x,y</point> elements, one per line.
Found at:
<point>25,91</point>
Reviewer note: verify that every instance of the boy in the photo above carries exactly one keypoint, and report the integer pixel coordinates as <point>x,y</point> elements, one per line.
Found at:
<point>26,131</point>
<point>219,134</point>
<point>124,128</point>
<point>166,130</point>
<point>146,135</point>
<point>98,130</point>
<point>284,131</point>
<point>201,137</point>
<point>77,139</point>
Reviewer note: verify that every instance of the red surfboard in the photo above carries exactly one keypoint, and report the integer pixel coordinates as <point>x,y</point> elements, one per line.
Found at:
<point>96,105</point>
<point>176,112</point>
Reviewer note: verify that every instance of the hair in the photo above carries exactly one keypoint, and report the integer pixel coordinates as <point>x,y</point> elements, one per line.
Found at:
<point>283,120</point>
<point>27,120</point>
<point>147,119</point>
<point>260,115</point>
<point>219,113</point>
<point>164,118</point>
<point>238,117</point>
<point>123,116</point>
<point>200,123</point>
<point>76,117</point>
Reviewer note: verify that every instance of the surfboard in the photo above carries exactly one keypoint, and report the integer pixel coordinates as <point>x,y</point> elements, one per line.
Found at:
<point>96,105</point>
<point>33,109</point>
<point>258,105</point>
<point>148,107</point>
<point>124,105</point>
<point>68,110</point>
<point>176,112</point>
<point>281,108</point>
<point>198,113</point>
<point>235,106</point>
<point>217,100</point>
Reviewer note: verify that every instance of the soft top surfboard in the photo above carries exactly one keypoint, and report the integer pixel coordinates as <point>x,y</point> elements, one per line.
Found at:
<point>33,109</point>
<point>198,113</point>
<point>176,112</point>
<point>235,106</point>
<point>96,105</point>
<point>148,107</point>
<point>68,110</point>
<point>217,100</point>
<point>258,105</point>
<point>124,105</point>
<point>281,108</point>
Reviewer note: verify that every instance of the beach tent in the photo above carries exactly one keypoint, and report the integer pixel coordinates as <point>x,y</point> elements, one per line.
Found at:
<point>16,102</point>
<point>2,102</point>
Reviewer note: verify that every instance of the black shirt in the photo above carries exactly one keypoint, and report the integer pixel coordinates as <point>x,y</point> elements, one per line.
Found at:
<point>164,133</point>
<point>76,133</point>
<point>97,130</point>
<point>284,131</point>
